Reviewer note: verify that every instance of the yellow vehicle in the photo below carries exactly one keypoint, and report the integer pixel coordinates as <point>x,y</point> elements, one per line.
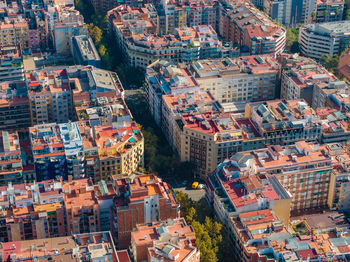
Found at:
<point>195,185</point>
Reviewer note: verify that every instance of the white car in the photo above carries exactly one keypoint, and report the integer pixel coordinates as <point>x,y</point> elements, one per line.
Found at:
<point>200,186</point>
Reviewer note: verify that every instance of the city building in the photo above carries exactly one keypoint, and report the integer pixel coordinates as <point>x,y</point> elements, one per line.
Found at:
<point>11,66</point>
<point>11,168</point>
<point>92,81</point>
<point>299,76</point>
<point>91,159</point>
<point>174,106</point>
<point>14,33</point>
<point>32,211</point>
<point>233,189</point>
<point>171,240</point>
<point>343,68</point>
<point>120,149</point>
<point>163,77</point>
<point>339,183</point>
<point>73,149</point>
<point>63,33</point>
<point>50,96</point>
<point>29,174</point>
<point>102,111</point>
<point>249,228</point>
<point>84,51</point>
<point>88,207</point>
<point>323,93</point>
<point>328,11</point>
<point>335,127</point>
<point>303,169</point>
<point>285,122</point>
<point>141,200</point>
<point>176,14</point>
<point>206,133</point>
<point>186,45</point>
<point>316,40</point>
<point>48,151</point>
<point>293,13</point>
<point>278,10</point>
<point>98,246</point>
<point>245,25</point>
<point>259,236</point>
<point>14,107</point>
<point>251,78</point>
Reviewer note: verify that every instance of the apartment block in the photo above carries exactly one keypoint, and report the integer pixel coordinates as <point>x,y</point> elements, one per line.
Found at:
<point>32,211</point>
<point>73,149</point>
<point>324,92</point>
<point>91,159</point>
<point>164,77</point>
<point>14,107</point>
<point>11,168</point>
<point>251,78</point>
<point>328,11</point>
<point>285,122</point>
<point>120,149</point>
<point>277,10</point>
<point>154,241</point>
<point>84,51</point>
<point>142,199</point>
<point>88,83</point>
<point>259,236</point>
<point>233,189</point>
<point>136,33</point>
<point>339,186</point>
<point>11,66</point>
<point>316,40</point>
<point>248,228</point>
<point>104,110</point>
<point>48,151</point>
<point>204,132</point>
<point>335,127</point>
<point>63,34</point>
<point>343,68</point>
<point>299,76</point>
<point>88,207</point>
<point>243,24</point>
<point>174,106</point>
<point>50,96</point>
<point>29,174</point>
<point>186,45</point>
<point>303,169</point>
<point>15,33</point>
<point>176,14</point>
<point>95,246</point>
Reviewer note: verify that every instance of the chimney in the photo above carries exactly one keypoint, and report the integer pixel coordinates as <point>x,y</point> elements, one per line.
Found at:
<point>70,178</point>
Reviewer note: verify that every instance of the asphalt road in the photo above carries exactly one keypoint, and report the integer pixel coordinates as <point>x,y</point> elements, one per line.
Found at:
<point>194,194</point>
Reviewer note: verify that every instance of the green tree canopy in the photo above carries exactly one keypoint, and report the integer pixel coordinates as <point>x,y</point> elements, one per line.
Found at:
<point>102,50</point>
<point>330,62</point>
<point>292,40</point>
<point>209,232</point>
<point>95,33</point>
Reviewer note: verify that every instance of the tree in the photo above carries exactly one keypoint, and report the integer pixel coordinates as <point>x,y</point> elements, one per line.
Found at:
<point>209,232</point>
<point>95,33</point>
<point>292,40</point>
<point>347,16</point>
<point>330,62</point>
<point>102,50</point>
